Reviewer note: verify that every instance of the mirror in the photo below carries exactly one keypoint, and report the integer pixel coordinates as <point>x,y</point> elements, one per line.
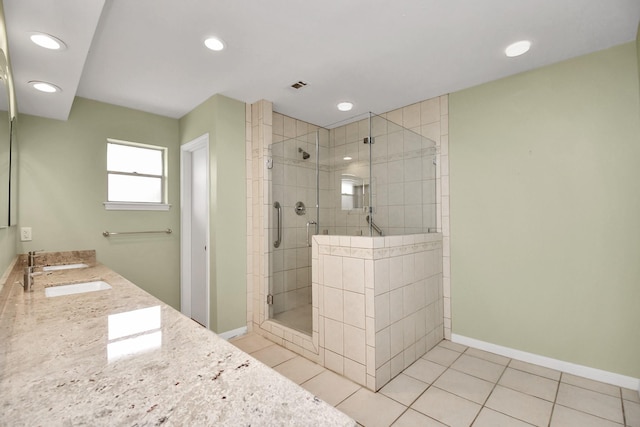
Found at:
<point>354,192</point>
<point>8,137</point>
<point>5,144</point>
<point>13,174</point>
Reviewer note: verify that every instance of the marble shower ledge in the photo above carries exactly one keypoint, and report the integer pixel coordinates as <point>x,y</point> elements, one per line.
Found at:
<point>73,361</point>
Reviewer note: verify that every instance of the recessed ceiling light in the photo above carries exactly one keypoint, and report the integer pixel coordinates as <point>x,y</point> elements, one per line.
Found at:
<point>345,106</point>
<point>47,41</point>
<point>214,43</point>
<point>347,158</point>
<point>44,86</point>
<point>517,48</point>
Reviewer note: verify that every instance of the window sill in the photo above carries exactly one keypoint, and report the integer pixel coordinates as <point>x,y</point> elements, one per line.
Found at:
<point>135,206</point>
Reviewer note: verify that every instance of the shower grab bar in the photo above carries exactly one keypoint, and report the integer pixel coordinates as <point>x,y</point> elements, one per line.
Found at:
<point>374,225</point>
<point>276,205</point>
<point>113,233</point>
<point>312,222</point>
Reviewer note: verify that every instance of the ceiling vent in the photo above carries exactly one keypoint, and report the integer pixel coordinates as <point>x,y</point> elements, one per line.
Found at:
<point>298,85</point>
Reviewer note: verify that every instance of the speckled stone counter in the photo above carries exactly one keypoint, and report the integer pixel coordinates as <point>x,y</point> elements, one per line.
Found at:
<point>122,357</point>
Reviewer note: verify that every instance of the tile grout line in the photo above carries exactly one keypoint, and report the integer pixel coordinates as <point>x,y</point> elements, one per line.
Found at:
<point>624,416</point>
<point>432,384</point>
<point>587,413</point>
<point>560,381</point>
<point>490,393</point>
<point>555,399</point>
<point>407,407</point>
<point>342,401</point>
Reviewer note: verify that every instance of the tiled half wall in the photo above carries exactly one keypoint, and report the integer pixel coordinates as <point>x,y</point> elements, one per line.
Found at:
<point>377,305</point>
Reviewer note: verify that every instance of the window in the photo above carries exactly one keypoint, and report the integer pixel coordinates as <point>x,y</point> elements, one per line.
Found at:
<point>136,176</point>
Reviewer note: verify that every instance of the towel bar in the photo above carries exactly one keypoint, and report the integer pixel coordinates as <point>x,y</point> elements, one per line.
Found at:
<point>112,233</point>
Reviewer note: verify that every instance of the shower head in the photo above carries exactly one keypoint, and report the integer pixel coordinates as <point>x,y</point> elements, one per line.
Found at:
<point>305,155</point>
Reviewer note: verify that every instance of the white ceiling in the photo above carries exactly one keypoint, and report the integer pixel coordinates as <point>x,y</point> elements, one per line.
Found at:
<point>380,55</point>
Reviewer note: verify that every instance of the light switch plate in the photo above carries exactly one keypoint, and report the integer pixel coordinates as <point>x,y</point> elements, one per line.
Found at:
<point>25,234</point>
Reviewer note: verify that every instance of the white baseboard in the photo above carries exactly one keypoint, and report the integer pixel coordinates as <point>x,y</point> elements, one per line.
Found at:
<point>547,362</point>
<point>8,271</point>
<point>233,333</point>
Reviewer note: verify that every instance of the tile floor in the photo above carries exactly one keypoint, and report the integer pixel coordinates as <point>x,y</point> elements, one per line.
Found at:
<point>298,318</point>
<point>453,385</point>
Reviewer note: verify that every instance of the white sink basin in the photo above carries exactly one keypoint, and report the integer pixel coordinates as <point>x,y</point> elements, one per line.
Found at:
<point>76,288</point>
<point>63,267</point>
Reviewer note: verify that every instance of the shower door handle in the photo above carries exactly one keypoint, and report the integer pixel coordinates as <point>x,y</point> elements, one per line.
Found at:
<point>309,238</point>
<point>276,205</point>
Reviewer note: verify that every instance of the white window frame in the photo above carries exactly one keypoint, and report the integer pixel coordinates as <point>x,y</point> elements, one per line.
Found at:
<point>140,206</point>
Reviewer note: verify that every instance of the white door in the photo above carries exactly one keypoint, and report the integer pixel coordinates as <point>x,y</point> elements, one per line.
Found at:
<point>194,288</point>
<point>199,226</point>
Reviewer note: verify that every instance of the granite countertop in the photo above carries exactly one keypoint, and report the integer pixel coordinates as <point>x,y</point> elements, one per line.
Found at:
<point>122,357</point>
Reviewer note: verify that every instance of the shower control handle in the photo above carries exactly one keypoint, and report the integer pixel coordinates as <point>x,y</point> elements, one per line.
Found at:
<point>312,222</point>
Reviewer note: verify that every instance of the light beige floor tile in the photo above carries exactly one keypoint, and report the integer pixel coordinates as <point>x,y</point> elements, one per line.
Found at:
<point>298,318</point>
<point>591,402</point>
<point>424,370</point>
<point>441,356</point>
<point>464,385</point>
<point>447,408</point>
<point>530,384</point>
<point>632,413</point>
<point>535,369</point>
<point>491,357</point>
<point>452,346</point>
<point>331,387</point>
<point>609,389</point>
<point>567,417</point>
<point>371,409</point>
<point>480,368</point>
<point>413,418</point>
<point>273,355</point>
<point>631,395</point>
<point>251,342</point>
<point>490,418</point>
<point>404,389</point>
<point>299,369</point>
<point>521,406</point>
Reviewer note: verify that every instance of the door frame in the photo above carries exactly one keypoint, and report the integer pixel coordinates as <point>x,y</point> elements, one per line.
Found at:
<point>186,156</point>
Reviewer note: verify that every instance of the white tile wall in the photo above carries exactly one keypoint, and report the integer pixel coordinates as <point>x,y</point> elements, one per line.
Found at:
<point>425,325</point>
<point>430,119</point>
<point>383,327</point>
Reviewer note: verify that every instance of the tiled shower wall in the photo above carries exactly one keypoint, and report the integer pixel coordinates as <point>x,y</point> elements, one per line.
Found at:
<point>429,118</point>
<point>259,136</point>
<point>402,180</point>
<point>293,179</point>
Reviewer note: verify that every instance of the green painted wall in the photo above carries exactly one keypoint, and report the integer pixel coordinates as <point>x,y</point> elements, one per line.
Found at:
<point>224,119</point>
<point>545,209</point>
<point>63,184</point>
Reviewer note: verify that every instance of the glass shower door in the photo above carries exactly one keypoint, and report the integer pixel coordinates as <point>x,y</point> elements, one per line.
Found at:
<point>294,206</point>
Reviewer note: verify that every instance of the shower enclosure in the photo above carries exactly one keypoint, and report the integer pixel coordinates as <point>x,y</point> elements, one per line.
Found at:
<point>368,177</point>
<point>295,198</point>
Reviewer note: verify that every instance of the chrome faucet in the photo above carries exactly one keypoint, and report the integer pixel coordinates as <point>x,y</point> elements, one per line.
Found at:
<point>27,281</point>
<point>32,258</point>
